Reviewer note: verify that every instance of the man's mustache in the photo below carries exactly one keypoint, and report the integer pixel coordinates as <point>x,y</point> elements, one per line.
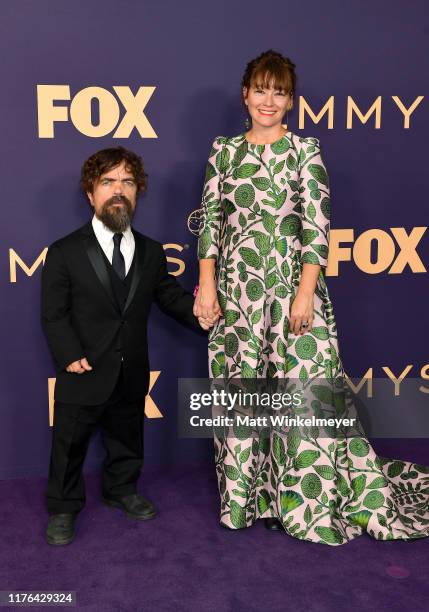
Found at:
<point>118,200</point>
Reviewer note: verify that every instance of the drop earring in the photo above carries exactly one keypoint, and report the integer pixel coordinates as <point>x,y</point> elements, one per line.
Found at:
<point>247,123</point>
<point>285,125</point>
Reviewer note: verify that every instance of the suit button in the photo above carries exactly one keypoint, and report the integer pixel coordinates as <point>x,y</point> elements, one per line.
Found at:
<point>122,322</point>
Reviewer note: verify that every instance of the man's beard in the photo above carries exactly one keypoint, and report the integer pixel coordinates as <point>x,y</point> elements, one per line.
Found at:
<point>117,218</point>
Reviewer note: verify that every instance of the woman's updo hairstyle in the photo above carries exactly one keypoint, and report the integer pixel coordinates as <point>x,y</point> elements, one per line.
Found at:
<point>270,69</point>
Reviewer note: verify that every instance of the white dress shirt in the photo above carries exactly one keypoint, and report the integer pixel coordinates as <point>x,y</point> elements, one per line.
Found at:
<point>105,240</point>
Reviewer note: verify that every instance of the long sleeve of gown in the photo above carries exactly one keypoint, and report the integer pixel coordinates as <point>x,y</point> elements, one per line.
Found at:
<point>211,206</point>
<point>315,204</point>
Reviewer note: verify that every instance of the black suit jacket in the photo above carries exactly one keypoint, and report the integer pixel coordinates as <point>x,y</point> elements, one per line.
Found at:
<point>81,318</point>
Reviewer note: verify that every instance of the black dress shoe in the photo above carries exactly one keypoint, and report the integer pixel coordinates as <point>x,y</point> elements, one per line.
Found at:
<point>60,529</point>
<point>135,506</point>
<point>273,524</point>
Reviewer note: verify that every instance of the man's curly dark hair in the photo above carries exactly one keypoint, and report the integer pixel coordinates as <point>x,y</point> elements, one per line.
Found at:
<point>101,162</point>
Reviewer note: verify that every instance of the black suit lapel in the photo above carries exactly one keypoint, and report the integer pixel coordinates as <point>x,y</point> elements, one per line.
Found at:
<point>139,255</point>
<point>95,255</point>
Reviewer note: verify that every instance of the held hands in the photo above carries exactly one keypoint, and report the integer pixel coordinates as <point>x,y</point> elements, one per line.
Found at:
<point>205,323</point>
<point>79,367</point>
<point>301,312</point>
<point>206,305</point>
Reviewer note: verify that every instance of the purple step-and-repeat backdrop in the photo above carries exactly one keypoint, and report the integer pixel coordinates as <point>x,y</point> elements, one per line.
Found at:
<point>163,78</point>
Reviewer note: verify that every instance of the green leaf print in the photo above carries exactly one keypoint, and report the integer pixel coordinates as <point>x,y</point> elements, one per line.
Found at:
<point>308,235</point>
<point>360,518</point>
<point>244,455</point>
<point>217,368</point>
<point>244,195</point>
<point>311,486</point>
<point>359,447</point>
<point>247,371</point>
<point>256,316</point>
<point>311,211</point>
<point>381,519</point>
<point>270,280</point>
<point>240,153</point>
<point>231,317</point>
<point>291,162</point>
<point>378,483</point>
<point>279,450</point>
<point>325,206</point>
<point>280,147</point>
<point>281,246</point>
<point>305,459</point>
<point>342,485</point>
<point>303,374</point>
<point>308,515</point>
<point>321,333</point>
<point>269,222</point>
<point>290,225</point>
<point>290,481</point>
<point>238,515</point>
<point>261,183</point>
<point>306,347</point>
<point>204,242</point>
<point>232,472</point>
<point>358,485</point>
<point>321,249</point>
<point>293,441</point>
<point>289,500</point>
<point>254,290</point>
<point>264,501</point>
<point>278,167</point>
<point>245,171</point>
<point>281,348</point>
<point>231,345</point>
<point>329,535</point>
<point>262,242</point>
<point>222,160</point>
<point>229,206</point>
<point>280,200</point>
<point>325,471</point>
<point>290,363</point>
<point>310,258</point>
<point>319,174</point>
<point>285,270</point>
<point>243,333</point>
<point>227,187</point>
<point>250,257</point>
<point>395,469</point>
<point>373,500</point>
<point>210,172</point>
<point>275,312</point>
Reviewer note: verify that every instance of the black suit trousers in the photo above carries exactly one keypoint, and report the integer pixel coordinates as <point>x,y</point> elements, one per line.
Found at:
<point>121,423</point>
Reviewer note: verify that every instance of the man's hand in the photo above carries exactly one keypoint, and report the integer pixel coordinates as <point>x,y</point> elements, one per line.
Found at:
<point>206,323</point>
<point>79,367</point>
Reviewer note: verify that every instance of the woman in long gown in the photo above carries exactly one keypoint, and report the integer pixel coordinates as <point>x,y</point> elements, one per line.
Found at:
<point>263,248</point>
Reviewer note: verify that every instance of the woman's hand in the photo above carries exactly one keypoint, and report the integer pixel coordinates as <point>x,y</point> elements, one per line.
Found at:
<point>206,304</point>
<point>301,312</point>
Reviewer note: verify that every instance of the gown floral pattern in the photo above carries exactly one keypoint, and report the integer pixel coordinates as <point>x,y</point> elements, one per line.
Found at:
<point>265,212</point>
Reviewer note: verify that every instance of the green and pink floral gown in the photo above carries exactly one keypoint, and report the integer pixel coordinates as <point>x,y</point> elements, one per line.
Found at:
<point>265,212</point>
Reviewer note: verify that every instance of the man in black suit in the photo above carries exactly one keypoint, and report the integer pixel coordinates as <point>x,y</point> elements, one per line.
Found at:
<point>98,284</point>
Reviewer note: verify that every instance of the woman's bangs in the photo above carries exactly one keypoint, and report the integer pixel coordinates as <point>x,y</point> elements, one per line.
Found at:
<point>276,77</point>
